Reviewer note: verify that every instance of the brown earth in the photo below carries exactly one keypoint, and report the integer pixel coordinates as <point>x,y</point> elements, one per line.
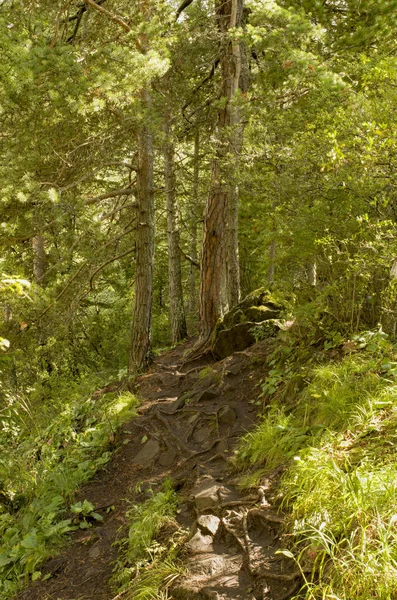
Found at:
<point>190,419</point>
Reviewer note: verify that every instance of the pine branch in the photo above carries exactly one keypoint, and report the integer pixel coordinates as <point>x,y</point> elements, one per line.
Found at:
<point>124,192</point>
<point>111,16</point>
<point>107,262</point>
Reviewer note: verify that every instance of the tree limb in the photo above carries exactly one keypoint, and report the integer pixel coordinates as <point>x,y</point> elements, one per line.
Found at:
<point>182,7</point>
<point>189,258</point>
<point>124,192</point>
<point>200,85</point>
<point>111,16</point>
<point>107,262</point>
<point>118,209</point>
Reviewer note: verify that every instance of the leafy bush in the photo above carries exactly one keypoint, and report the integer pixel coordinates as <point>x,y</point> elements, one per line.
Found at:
<point>40,472</point>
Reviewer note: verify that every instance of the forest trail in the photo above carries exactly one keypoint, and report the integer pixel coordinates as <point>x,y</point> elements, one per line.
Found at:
<point>190,419</point>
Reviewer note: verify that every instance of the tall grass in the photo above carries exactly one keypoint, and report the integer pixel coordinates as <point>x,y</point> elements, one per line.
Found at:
<point>340,484</point>
<point>146,567</point>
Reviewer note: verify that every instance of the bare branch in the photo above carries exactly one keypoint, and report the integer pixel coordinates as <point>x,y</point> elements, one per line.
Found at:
<point>124,192</point>
<point>118,209</point>
<point>107,262</point>
<point>111,16</point>
<point>189,258</point>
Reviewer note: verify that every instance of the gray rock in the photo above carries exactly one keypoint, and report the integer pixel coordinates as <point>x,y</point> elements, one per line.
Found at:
<point>205,493</point>
<point>167,459</point>
<point>222,446</point>
<point>148,453</point>
<point>95,551</point>
<point>209,394</point>
<point>227,415</point>
<point>234,339</point>
<point>208,524</point>
<point>202,434</point>
<point>236,367</point>
<point>199,543</point>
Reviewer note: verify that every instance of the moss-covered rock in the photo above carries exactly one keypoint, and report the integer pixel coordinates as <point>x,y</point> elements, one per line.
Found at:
<point>234,332</point>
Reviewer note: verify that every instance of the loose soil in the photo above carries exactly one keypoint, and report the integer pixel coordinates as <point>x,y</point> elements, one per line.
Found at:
<point>190,419</point>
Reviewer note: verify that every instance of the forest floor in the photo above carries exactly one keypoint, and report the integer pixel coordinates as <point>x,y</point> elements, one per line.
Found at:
<point>190,419</point>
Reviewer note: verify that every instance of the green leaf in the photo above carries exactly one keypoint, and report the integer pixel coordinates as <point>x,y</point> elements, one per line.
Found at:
<point>30,540</point>
<point>36,575</point>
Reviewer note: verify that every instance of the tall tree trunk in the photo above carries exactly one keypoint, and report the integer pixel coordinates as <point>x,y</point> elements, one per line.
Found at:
<point>193,226</point>
<point>142,314</point>
<point>177,311</point>
<point>220,250</point>
<point>39,258</point>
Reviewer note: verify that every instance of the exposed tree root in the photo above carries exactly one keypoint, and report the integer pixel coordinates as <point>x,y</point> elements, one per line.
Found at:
<point>291,591</point>
<point>176,438</point>
<point>266,516</point>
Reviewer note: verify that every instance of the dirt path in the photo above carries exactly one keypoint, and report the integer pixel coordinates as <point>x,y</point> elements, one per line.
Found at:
<point>191,417</point>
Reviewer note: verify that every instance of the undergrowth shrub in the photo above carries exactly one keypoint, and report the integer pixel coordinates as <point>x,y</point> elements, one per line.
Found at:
<point>40,470</point>
<point>338,443</point>
<point>147,563</point>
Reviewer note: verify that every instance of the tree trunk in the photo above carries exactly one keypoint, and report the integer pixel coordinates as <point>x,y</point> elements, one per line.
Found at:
<point>220,248</point>
<point>142,314</point>
<point>312,273</point>
<point>177,311</point>
<point>193,226</point>
<point>39,258</point>
<point>272,261</point>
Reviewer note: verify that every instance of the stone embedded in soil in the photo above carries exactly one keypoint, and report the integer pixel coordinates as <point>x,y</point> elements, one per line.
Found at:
<point>209,394</point>
<point>95,551</point>
<point>206,493</point>
<point>199,543</point>
<point>208,524</point>
<point>233,340</point>
<point>167,459</point>
<point>236,367</point>
<point>222,447</point>
<point>148,453</point>
<point>227,415</point>
<point>202,434</point>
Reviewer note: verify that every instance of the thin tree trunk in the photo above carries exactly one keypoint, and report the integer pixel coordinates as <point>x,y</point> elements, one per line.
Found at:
<point>193,226</point>
<point>312,273</point>
<point>39,258</point>
<point>272,261</point>
<point>231,71</point>
<point>219,262</point>
<point>142,314</point>
<point>177,311</point>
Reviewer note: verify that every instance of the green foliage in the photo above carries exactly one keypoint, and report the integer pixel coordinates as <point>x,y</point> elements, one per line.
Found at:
<point>338,442</point>
<point>41,468</point>
<point>146,567</point>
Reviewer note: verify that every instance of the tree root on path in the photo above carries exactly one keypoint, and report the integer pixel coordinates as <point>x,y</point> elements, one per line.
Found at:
<point>180,443</point>
<point>291,591</point>
<point>263,514</point>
